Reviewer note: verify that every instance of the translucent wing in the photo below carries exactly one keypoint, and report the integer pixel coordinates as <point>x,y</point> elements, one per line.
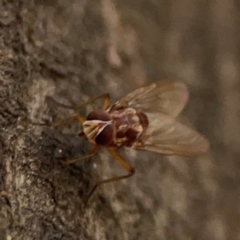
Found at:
<point>166,96</point>
<point>167,136</point>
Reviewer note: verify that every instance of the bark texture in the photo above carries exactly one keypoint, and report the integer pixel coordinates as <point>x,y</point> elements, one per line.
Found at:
<point>71,50</point>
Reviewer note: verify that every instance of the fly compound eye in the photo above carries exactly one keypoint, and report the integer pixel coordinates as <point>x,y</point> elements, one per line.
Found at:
<point>98,114</point>
<point>105,137</point>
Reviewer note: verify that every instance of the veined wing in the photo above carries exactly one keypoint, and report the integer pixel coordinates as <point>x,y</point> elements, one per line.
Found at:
<point>165,96</point>
<point>167,136</point>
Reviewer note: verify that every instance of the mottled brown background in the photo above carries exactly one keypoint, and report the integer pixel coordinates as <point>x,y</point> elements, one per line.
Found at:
<point>76,49</point>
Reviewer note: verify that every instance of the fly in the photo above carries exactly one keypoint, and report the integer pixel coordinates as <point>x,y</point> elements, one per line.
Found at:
<point>144,119</point>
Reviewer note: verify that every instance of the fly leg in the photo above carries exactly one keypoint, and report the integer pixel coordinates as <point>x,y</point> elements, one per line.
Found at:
<point>81,119</point>
<point>60,121</point>
<point>123,163</point>
<point>105,104</point>
<point>92,152</point>
<point>106,100</point>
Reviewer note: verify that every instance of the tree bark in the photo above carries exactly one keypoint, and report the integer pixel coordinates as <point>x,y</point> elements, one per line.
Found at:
<point>73,50</point>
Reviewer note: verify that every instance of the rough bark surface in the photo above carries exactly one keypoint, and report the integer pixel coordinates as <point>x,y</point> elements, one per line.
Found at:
<point>71,50</point>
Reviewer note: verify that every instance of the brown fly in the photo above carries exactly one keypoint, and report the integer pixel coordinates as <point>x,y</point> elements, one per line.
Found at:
<point>144,119</point>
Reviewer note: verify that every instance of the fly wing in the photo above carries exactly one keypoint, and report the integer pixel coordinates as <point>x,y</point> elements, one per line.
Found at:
<point>165,96</point>
<point>167,136</point>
